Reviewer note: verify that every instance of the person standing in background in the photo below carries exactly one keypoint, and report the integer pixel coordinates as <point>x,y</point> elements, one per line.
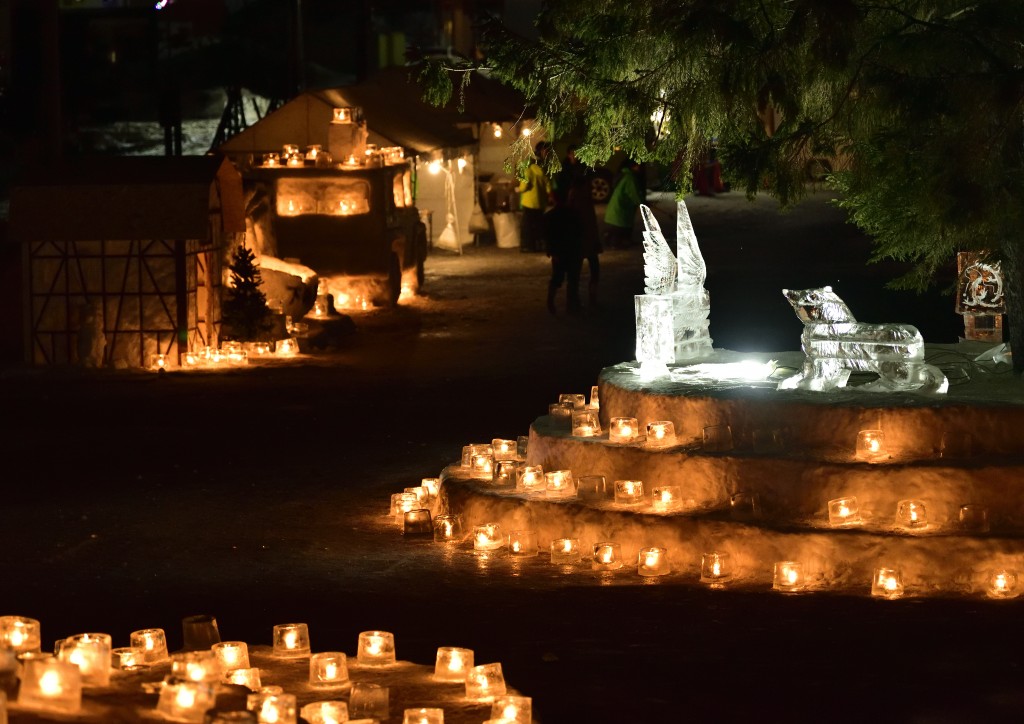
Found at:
<point>625,200</point>
<point>534,193</point>
<point>563,242</point>
<point>573,178</point>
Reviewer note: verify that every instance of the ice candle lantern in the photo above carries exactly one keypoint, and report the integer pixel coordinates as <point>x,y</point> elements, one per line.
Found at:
<point>418,524</point>
<point>420,492</point>
<point>90,652</point>
<point>565,550</point>
<point>328,668</point>
<point>185,700</point>
<point>291,640</point>
<point>843,511</point>
<point>530,477</point>
<point>870,445</point>
<point>788,577</point>
<point>231,655</point>
<point>653,561</point>
<point>325,712</point>
<point>152,642</point>
<point>715,569</point>
<point>504,449</point>
<point>195,666</point>
<point>629,492</point>
<point>911,514</point>
<point>1002,584</point>
<point>577,402</point>
<point>607,557</point>
<point>369,702</point>
<point>559,484</point>
<point>586,423</point>
<point>376,648</point>
<point>125,658</point>
<point>887,583</point>
<point>275,708</point>
<point>523,543</point>
<point>448,529</point>
<point>623,429</point>
<point>402,503</point>
<point>661,433</point>
<point>248,677</point>
<point>468,451</point>
<point>717,438</point>
<point>423,716</point>
<point>20,634</point>
<point>512,709</point>
<point>431,485</point>
<point>485,682</point>
<point>51,685</point>
<point>591,487</point>
<point>595,398</point>
<point>973,518</point>
<point>487,537</point>
<point>482,464</point>
<point>506,472</point>
<point>667,498</point>
<point>522,445</point>
<point>452,664</point>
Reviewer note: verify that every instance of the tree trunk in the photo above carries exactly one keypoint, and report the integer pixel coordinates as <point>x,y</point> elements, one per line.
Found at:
<point>1013,281</point>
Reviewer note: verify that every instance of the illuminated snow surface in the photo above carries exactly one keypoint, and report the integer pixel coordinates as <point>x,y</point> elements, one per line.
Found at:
<point>259,495</point>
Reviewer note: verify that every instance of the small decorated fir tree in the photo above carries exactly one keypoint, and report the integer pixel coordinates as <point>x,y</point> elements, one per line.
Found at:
<point>245,313</point>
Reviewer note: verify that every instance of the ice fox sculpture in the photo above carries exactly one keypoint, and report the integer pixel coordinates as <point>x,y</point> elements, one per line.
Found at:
<point>836,344</point>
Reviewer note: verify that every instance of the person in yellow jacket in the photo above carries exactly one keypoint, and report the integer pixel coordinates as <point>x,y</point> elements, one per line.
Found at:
<point>534,195</point>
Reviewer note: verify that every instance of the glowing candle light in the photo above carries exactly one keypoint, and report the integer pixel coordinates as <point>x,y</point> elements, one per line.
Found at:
<point>468,451</point>
<point>271,160</point>
<point>287,348</point>
<point>512,709</point>
<point>20,634</point>
<point>1002,584</point>
<point>432,486</point>
<point>843,511</point>
<point>325,712</point>
<point>422,496</point>
<point>231,655</point>
<point>911,514</point>
<point>291,640</point>
<point>153,644</point>
<point>487,537</point>
<point>661,433</point>
<point>328,668</point>
<point>185,700</point>
<point>274,708</point>
<point>423,715</point>
<point>51,685</point>
<point>506,473</point>
<point>653,561</point>
<point>871,445</point>
<point>342,115</point>
<point>504,449</point>
<point>586,423</point>
<point>623,430</point>
<point>629,492</point>
<point>90,652</point>
<point>530,478</point>
<point>247,677</point>
<point>402,504</point>
<point>126,658</point>
<point>715,569</point>
<point>578,402</point>
<point>565,551</point>
<point>482,464</point>
<point>376,648</point>
<point>788,577</point>
<point>448,529</point>
<point>595,397</point>
<point>417,523</point>
<point>195,666</point>
<point>667,498</point>
<point>559,484</point>
<point>452,663</point>
<point>523,543</point>
<point>607,557</point>
<point>887,583</point>
<point>485,682</point>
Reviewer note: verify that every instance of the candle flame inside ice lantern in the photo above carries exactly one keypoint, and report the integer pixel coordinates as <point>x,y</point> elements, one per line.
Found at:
<point>653,561</point>
<point>559,484</point>
<point>629,492</point>
<point>530,477</point>
<point>586,423</point>
<point>506,473</point>
<point>152,642</point>
<point>623,429</point>
<point>51,685</point>
<point>715,569</point>
<point>1002,584</point>
<point>565,551</point>
<point>447,529</point>
<point>376,648</point>
<point>911,514</point>
<point>504,449</point>
<point>90,652</point>
<point>291,640</point>
<point>325,712</point>
<point>871,445</point>
<point>185,700</point>
<point>523,543</point>
<point>843,511</point>
<point>431,485</point>
<point>487,537</point>
<point>247,677</point>
<point>231,655</point>
<point>485,682</point>
<point>482,464</point>
<point>328,668</point>
<point>512,709</point>
<point>342,115</point>
<point>667,498</point>
<point>423,715</point>
<point>887,583</point>
<point>418,523</point>
<point>195,666</point>
<point>788,577</point>
<point>607,557</point>
<point>452,663</point>
<point>19,633</point>
<point>661,433</point>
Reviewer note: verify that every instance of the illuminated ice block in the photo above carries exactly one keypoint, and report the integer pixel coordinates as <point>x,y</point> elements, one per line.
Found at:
<point>836,345</point>
<point>672,314</point>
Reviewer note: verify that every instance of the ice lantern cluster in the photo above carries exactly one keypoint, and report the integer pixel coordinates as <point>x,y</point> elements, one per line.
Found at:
<point>672,314</point>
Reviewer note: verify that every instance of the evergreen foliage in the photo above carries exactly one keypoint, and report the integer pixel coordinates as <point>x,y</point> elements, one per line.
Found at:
<point>245,313</point>
<point>917,104</point>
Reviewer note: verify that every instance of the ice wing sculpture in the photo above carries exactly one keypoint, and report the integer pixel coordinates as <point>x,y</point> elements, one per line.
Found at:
<point>672,316</point>
<point>836,344</point>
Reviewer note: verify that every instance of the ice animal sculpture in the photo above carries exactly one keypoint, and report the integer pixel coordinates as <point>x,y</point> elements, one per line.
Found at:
<point>836,344</point>
<point>672,314</point>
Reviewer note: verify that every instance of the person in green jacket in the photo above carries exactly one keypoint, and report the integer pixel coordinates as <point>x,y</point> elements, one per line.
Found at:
<point>626,198</point>
<point>534,193</point>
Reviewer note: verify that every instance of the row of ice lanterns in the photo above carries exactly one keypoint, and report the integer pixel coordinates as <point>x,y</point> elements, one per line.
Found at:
<point>230,354</point>
<point>291,156</point>
<point>54,683</point>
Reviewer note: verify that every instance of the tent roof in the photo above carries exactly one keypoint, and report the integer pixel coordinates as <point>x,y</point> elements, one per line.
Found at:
<point>125,197</point>
<point>393,108</point>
